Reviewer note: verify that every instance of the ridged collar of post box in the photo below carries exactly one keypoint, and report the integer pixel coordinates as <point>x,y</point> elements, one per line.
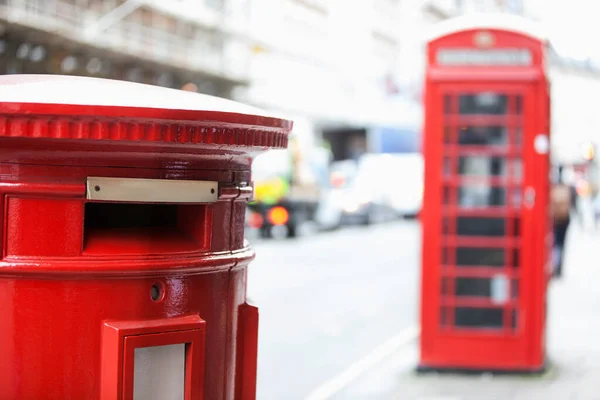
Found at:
<point>70,107</point>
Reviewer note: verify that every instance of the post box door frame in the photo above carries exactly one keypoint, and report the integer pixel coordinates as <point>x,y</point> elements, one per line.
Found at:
<point>121,338</point>
<point>531,178</point>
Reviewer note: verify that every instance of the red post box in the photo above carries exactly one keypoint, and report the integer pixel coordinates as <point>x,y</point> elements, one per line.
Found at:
<point>123,270</point>
<point>486,252</point>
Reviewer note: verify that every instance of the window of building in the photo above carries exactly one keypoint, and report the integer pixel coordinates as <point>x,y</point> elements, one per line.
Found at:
<point>215,4</point>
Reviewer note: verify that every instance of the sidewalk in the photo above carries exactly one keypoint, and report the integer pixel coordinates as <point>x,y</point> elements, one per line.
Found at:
<point>573,347</point>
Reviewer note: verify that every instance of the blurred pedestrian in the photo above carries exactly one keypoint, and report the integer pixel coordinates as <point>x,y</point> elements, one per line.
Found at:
<point>560,208</point>
<point>596,211</point>
<point>575,205</point>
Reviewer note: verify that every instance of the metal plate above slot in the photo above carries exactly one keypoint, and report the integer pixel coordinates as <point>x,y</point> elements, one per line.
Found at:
<point>151,190</point>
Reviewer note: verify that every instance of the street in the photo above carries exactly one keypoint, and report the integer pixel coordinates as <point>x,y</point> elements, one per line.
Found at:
<point>329,300</point>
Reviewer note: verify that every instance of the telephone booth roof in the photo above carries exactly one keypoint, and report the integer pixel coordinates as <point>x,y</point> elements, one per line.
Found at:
<point>501,22</point>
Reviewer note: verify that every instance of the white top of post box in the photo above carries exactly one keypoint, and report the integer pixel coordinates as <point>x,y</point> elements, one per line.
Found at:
<point>59,107</point>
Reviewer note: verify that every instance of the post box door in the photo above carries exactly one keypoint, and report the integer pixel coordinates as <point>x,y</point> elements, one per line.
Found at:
<point>485,216</point>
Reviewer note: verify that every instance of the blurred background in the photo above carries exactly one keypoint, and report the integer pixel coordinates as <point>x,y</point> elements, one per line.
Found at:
<point>337,272</point>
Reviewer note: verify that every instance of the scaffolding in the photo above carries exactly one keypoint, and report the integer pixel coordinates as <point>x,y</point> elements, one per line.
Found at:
<point>143,31</point>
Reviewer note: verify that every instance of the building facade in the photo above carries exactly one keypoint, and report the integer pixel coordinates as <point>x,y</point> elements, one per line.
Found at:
<point>149,41</point>
<point>327,63</point>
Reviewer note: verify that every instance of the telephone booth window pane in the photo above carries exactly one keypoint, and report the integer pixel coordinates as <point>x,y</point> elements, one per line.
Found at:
<point>445,287</point>
<point>516,227</point>
<point>487,103</point>
<point>516,173</point>
<point>519,105</point>
<point>447,135</point>
<point>486,166</point>
<point>515,258</point>
<point>481,195</point>
<point>477,256</point>
<point>447,166</point>
<point>444,312</point>
<point>514,319</point>
<point>445,256</point>
<point>446,195</point>
<point>480,226</point>
<point>473,287</point>
<point>445,226</point>
<point>518,137</point>
<point>447,104</point>
<point>469,317</point>
<point>494,135</point>
<point>515,288</point>
<point>516,198</point>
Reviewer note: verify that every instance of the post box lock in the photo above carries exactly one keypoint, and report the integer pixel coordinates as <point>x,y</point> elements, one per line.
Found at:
<point>151,190</point>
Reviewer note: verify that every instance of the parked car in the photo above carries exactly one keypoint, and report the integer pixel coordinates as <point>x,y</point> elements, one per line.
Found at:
<point>383,187</point>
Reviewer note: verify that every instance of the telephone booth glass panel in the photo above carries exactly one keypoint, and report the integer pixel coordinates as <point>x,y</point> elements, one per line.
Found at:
<point>482,194</point>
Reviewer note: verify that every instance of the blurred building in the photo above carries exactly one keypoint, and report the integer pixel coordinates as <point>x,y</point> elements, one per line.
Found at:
<point>166,43</point>
<point>332,60</point>
<point>335,63</point>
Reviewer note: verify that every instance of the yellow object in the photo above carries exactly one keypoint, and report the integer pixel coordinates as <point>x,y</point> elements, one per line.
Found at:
<point>589,152</point>
<point>270,191</point>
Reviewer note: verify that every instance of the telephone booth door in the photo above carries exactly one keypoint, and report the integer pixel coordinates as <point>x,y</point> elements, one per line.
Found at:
<point>479,293</point>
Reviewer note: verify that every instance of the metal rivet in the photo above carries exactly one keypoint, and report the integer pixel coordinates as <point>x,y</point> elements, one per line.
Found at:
<point>97,188</point>
<point>212,191</point>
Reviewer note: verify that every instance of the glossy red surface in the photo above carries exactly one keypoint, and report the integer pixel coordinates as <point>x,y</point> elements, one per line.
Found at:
<point>63,279</point>
<point>514,343</point>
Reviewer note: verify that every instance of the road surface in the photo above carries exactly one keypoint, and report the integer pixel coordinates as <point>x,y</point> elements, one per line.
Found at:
<point>329,300</point>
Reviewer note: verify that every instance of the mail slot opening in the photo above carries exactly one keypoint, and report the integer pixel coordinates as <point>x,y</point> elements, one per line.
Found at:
<point>134,228</point>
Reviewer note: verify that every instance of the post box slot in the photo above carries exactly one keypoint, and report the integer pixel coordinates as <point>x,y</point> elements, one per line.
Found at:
<point>133,228</point>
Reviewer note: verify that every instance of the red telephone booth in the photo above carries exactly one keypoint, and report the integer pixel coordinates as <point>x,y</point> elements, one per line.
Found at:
<point>486,226</point>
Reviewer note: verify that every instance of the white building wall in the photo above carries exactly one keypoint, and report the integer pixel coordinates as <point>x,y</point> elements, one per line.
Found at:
<point>329,60</point>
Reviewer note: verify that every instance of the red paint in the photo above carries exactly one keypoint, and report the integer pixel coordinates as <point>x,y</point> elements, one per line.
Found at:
<point>461,325</point>
<point>248,352</point>
<point>121,338</point>
<point>65,284</point>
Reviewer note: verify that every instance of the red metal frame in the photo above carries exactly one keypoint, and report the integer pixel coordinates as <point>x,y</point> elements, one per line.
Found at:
<point>515,342</point>
<point>248,352</point>
<point>121,338</point>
